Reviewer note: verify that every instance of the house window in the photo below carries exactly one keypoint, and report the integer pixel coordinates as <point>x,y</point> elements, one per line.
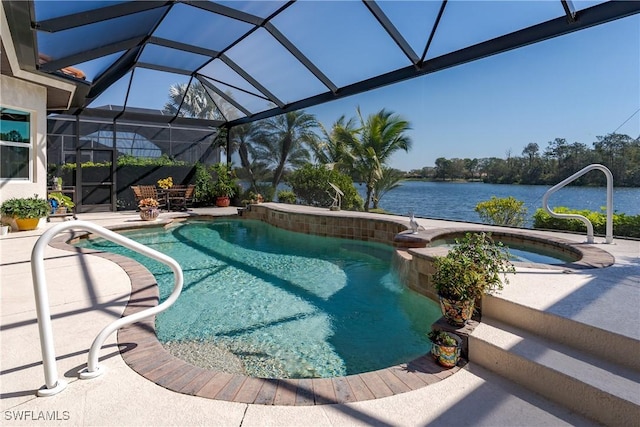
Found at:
<point>15,144</point>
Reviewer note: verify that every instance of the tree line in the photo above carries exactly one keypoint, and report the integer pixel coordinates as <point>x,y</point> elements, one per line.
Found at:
<point>559,160</point>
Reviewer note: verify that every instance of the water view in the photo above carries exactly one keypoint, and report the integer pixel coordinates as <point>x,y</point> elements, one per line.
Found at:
<point>457,200</point>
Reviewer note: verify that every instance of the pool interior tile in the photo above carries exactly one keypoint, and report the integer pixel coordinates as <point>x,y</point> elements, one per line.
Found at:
<point>143,352</point>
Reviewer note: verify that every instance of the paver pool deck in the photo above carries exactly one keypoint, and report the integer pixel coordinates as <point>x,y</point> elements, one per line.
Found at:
<point>87,292</point>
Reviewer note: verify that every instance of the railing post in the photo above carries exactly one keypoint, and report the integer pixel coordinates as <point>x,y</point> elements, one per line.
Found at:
<point>609,224</point>
<point>53,385</point>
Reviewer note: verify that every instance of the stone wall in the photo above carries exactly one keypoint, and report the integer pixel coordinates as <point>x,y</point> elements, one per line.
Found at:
<point>348,225</point>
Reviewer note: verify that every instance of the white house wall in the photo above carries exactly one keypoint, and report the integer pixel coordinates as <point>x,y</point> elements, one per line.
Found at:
<point>22,95</point>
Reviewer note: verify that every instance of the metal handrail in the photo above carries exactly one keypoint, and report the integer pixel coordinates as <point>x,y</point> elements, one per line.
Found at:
<point>609,225</point>
<point>53,384</point>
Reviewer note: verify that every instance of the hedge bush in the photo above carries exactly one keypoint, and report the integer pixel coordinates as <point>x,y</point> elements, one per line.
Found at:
<point>623,225</point>
<point>311,186</point>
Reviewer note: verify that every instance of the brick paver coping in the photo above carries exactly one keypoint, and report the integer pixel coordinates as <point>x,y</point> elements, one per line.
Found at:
<point>141,350</point>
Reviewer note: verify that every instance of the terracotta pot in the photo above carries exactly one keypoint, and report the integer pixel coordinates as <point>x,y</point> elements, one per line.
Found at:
<point>456,313</point>
<point>25,224</point>
<point>149,214</point>
<point>223,201</point>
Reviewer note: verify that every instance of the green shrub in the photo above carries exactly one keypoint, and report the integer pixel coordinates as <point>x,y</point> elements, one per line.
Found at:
<point>25,207</point>
<point>311,186</point>
<point>226,184</point>
<point>505,211</point>
<point>204,185</point>
<point>623,225</point>
<point>286,196</point>
<point>128,160</point>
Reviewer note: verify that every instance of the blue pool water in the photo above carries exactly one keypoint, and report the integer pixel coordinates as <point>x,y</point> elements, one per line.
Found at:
<point>284,304</point>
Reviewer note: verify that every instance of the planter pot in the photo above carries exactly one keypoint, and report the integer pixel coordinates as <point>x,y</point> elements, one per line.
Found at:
<point>446,355</point>
<point>25,224</point>
<point>61,211</point>
<point>456,313</point>
<point>149,214</point>
<point>4,230</point>
<point>223,202</point>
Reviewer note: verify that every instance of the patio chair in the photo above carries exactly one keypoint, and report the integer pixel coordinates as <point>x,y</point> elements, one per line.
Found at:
<point>149,191</point>
<point>180,200</point>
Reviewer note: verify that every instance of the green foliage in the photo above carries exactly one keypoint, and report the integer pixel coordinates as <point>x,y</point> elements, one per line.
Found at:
<point>472,268</point>
<point>504,211</point>
<point>62,199</point>
<point>311,185</point>
<point>389,179</point>
<point>164,160</point>
<point>286,196</point>
<point>281,142</point>
<point>226,184</point>
<point>442,338</point>
<point>26,207</point>
<point>623,225</point>
<point>203,192</point>
<point>127,160</point>
<point>371,146</point>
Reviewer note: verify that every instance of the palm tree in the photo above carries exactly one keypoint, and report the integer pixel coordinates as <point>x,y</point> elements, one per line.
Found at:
<point>390,179</point>
<point>380,135</point>
<point>240,140</point>
<point>333,149</point>
<point>197,102</point>
<point>282,141</point>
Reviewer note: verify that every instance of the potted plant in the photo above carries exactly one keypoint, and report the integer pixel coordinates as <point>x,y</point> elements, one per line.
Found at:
<point>149,209</point>
<point>165,183</point>
<point>60,203</point>
<point>225,186</point>
<point>470,270</point>
<point>445,348</point>
<point>26,211</point>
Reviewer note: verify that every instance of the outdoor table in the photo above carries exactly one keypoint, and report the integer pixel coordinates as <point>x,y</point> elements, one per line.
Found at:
<point>173,193</point>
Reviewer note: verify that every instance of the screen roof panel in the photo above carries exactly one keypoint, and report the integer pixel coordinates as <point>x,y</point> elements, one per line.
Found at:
<point>204,27</point>
<point>274,67</point>
<point>49,9</point>
<point>347,42</point>
<point>289,54</point>
<point>459,26</point>
<point>88,37</point>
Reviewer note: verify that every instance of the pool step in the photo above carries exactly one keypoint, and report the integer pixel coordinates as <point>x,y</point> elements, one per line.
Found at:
<point>604,344</point>
<point>601,390</point>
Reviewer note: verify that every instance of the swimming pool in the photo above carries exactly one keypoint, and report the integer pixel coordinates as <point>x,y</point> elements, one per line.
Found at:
<point>266,302</point>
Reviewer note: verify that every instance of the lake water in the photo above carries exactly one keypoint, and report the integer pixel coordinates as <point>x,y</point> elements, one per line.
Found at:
<point>457,200</point>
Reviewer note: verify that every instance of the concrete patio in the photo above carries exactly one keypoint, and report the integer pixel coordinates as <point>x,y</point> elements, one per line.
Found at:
<point>88,292</point>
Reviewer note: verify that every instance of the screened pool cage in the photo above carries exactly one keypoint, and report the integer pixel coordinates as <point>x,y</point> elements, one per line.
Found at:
<point>102,158</point>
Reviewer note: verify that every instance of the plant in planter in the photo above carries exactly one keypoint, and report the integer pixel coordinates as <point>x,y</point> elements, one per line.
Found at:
<point>149,209</point>
<point>445,348</point>
<point>60,203</point>
<point>26,211</point>
<point>470,270</point>
<point>165,183</point>
<point>225,186</point>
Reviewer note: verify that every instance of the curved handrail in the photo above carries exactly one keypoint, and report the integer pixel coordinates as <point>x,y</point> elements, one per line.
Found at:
<point>53,385</point>
<point>609,225</point>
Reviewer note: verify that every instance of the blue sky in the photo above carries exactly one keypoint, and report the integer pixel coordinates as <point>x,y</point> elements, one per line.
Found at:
<point>575,87</point>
